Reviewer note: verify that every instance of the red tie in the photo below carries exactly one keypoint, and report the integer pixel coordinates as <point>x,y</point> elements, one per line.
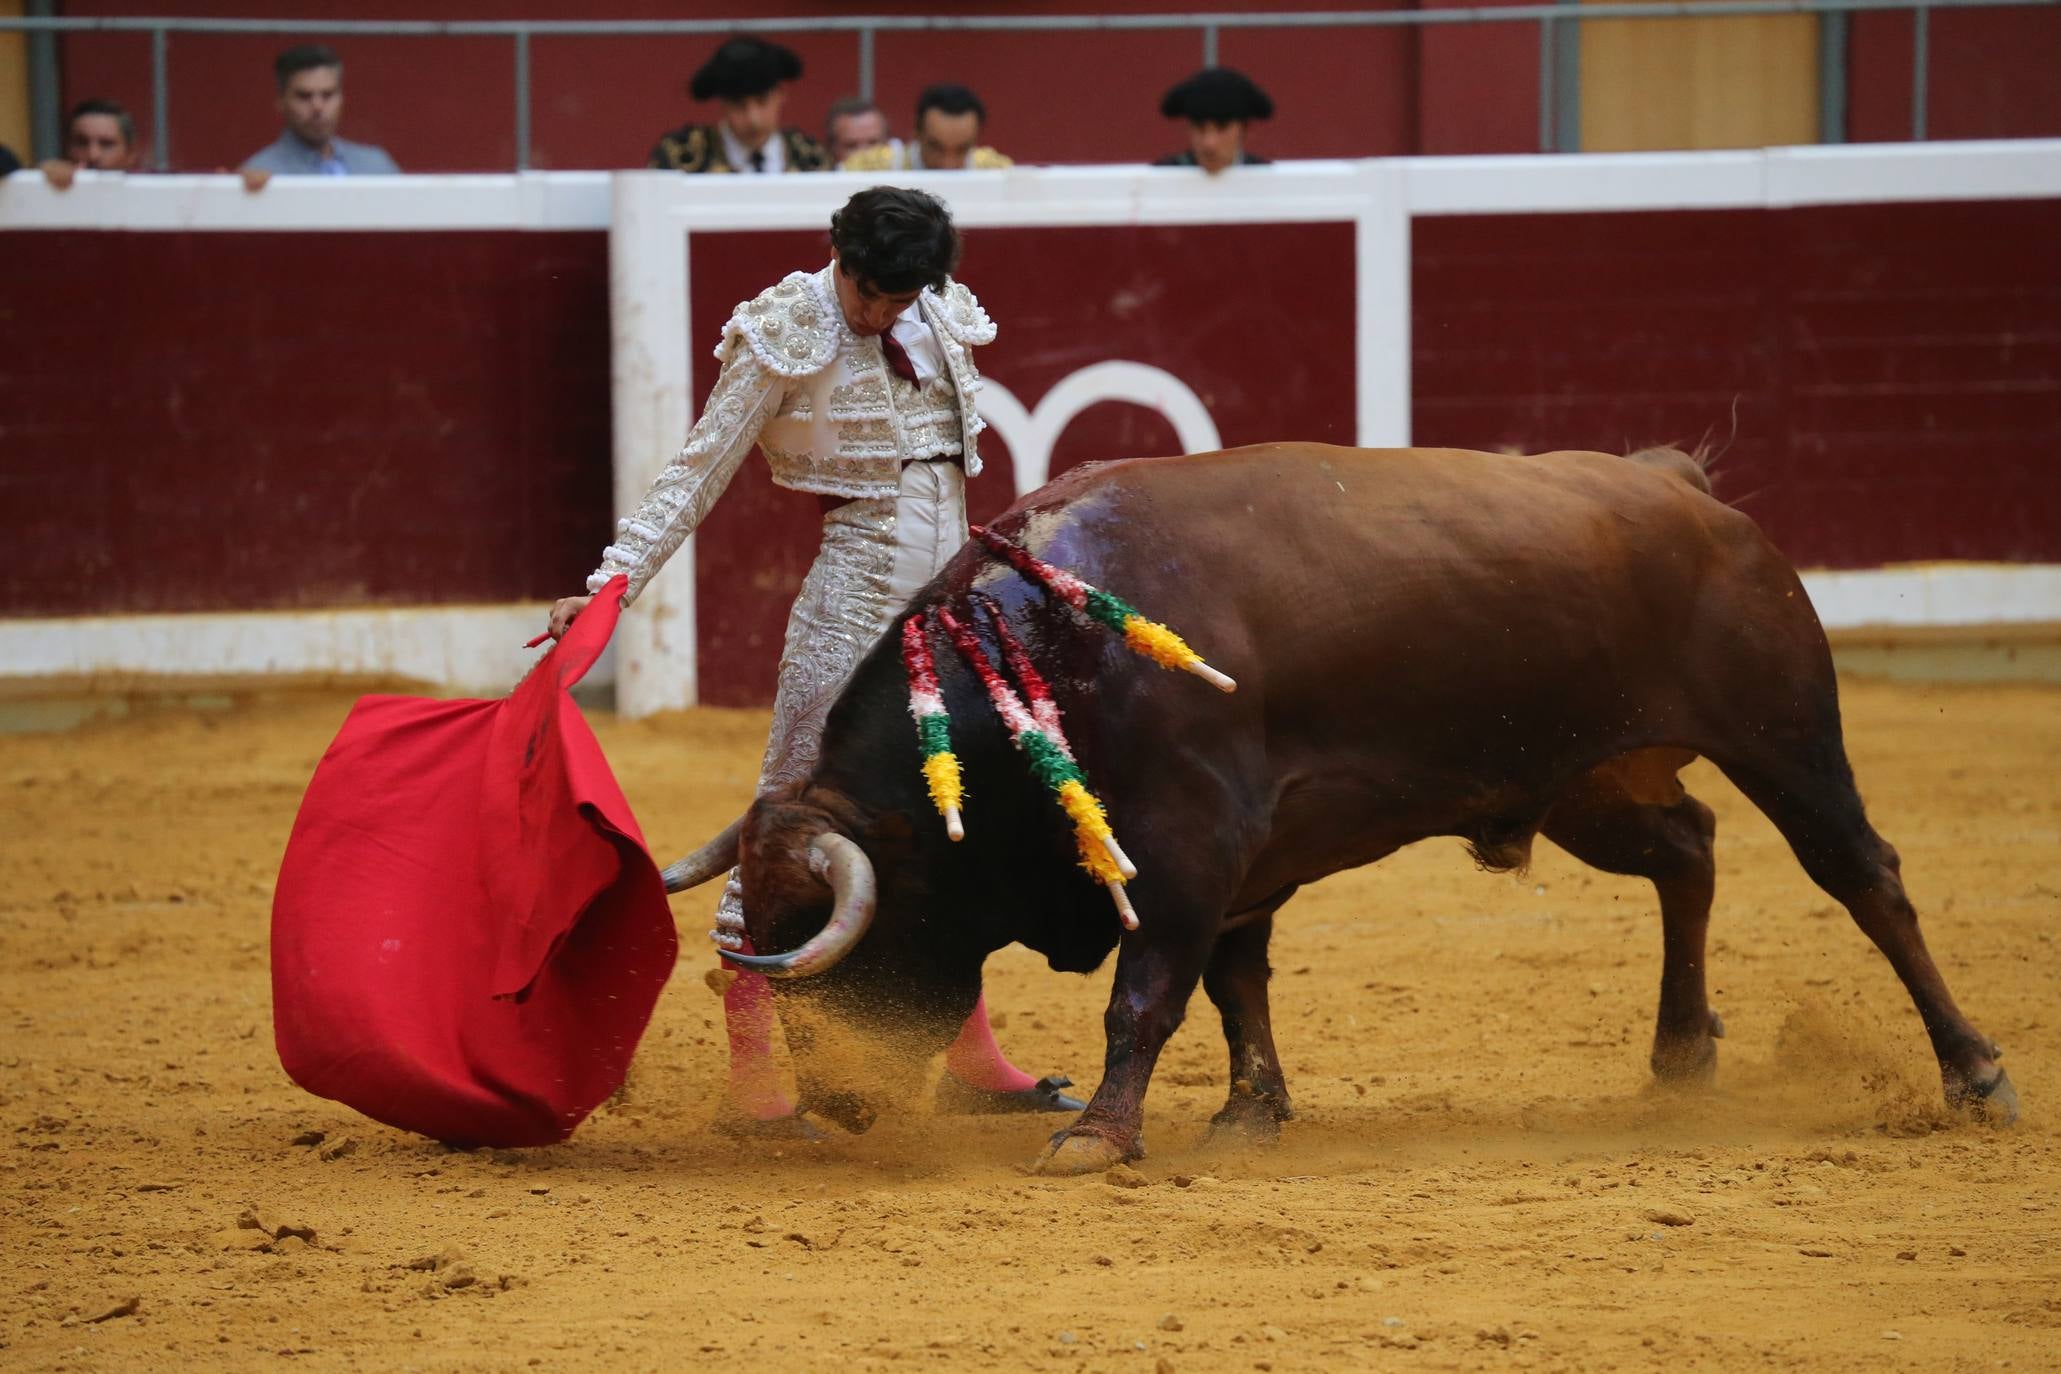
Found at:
<point>898,358</point>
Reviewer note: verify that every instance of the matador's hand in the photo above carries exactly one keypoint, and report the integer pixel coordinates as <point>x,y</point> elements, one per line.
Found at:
<point>565,611</point>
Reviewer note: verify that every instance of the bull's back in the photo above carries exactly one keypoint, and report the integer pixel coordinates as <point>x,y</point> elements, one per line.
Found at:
<point>1437,623</point>
<point>1298,546</point>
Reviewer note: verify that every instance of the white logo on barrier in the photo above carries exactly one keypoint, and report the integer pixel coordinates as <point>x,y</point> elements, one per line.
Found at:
<point>1031,434</point>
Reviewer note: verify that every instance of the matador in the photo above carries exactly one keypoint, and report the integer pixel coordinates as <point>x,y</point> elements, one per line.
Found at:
<point>857,383</point>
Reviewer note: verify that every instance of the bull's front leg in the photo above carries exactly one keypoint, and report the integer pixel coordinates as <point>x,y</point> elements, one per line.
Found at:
<point>1156,973</point>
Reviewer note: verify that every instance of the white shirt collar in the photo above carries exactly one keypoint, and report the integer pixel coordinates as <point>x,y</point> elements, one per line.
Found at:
<point>919,341</point>
<point>739,156</point>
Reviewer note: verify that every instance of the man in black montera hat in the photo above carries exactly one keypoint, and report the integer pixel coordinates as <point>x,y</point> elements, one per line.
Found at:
<point>1218,104</point>
<point>748,75</point>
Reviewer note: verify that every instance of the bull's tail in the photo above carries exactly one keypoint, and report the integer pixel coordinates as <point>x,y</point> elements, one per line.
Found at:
<point>1691,467</point>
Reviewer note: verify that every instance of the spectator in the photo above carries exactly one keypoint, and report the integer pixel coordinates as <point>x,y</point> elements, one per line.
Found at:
<point>1218,104</point>
<point>949,120</point>
<point>855,123</point>
<point>311,101</point>
<point>748,75</point>
<point>100,137</point>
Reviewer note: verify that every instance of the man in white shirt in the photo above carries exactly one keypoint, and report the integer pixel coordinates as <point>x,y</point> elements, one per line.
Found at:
<point>857,382</point>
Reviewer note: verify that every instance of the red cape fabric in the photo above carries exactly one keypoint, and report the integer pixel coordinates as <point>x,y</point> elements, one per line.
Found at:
<point>468,935</point>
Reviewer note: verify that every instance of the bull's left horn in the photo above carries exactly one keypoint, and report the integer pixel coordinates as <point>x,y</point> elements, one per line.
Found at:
<point>849,872</point>
<point>716,857</point>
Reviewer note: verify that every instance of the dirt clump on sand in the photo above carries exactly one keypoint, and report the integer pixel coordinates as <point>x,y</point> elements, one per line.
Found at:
<point>1481,1175</point>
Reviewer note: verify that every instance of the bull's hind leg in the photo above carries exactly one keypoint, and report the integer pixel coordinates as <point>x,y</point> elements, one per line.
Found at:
<point>1236,980</point>
<point>1808,791</point>
<point>1631,816</point>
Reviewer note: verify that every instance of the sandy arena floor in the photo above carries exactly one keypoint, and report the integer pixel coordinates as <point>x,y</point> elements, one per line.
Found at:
<point>1480,1177</point>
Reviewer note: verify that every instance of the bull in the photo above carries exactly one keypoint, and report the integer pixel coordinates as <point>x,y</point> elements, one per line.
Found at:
<point>1427,642</point>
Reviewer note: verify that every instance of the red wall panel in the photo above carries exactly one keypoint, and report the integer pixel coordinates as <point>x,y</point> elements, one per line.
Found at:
<point>1193,300</point>
<point>1051,97</point>
<point>1337,92</point>
<point>230,421</point>
<point>244,421</point>
<point>1992,75</point>
<point>1894,371</point>
<point>1478,86</point>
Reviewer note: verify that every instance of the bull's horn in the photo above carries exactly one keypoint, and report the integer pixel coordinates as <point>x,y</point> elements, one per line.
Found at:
<point>718,856</point>
<point>849,872</point>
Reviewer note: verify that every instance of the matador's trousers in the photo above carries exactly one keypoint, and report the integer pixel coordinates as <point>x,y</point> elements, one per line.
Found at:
<point>876,555</point>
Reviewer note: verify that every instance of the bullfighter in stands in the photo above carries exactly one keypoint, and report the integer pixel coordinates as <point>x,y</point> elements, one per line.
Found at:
<point>857,382</point>
<point>949,122</point>
<point>1220,105</point>
<point>749,76</point>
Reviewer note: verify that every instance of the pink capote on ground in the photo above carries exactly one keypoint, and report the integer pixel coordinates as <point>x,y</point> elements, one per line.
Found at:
<point>468,936</point>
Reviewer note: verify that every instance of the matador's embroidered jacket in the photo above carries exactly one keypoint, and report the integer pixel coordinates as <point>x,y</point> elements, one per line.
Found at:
<point>699,148</point>
<point>822,405</point>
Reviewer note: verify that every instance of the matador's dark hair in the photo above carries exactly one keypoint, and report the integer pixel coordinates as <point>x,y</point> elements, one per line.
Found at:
<point>895,240</point>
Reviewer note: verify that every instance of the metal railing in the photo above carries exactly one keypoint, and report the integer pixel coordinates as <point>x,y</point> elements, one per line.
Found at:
<point>1559,26</point>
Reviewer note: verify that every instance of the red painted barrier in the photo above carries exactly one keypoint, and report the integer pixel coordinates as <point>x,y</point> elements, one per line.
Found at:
<point>247,421</point>
<point>241,421</point>
<point>1990,74</point>
<point>1895,370</point>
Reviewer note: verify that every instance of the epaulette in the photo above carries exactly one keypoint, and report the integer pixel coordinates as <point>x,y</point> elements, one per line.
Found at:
<point>804,154</point>
<point>787,326</point>
<point>685,149</point>
<point>961,315</point>
<point>879,157</point>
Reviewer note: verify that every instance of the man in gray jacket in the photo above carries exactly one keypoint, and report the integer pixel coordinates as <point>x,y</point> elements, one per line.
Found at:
<point>311,101</point>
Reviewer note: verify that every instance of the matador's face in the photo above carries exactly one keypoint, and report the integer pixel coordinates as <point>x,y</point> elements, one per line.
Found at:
<point>868,311</point>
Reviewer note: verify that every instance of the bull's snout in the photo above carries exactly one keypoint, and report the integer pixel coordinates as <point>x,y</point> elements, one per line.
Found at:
<point>845,867</point>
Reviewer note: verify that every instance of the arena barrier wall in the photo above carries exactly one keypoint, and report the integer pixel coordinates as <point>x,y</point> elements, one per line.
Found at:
<point>404,419</point>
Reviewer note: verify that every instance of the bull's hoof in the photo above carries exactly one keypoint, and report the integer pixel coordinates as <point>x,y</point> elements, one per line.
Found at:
<point>1248,1119</point>
<point>1690,1062</point>
<point>1241,1129</point>
<point>1994,1103</point>
<point>1071,1154</point>
<point>1693,1065</point>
